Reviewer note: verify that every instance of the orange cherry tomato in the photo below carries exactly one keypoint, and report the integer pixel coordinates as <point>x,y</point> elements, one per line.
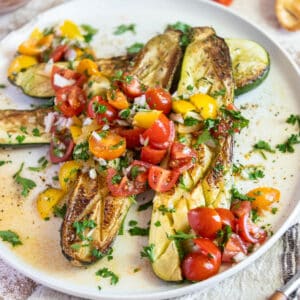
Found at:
<point>264,198</point>
<point>107,146</point>
<point>224,2</point>
<point>117,99</point>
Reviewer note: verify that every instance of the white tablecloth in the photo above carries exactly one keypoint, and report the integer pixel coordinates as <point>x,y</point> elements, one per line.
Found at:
<point>256,282</point>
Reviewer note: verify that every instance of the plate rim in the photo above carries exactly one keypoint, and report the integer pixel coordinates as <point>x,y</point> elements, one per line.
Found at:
<point>48,280</point>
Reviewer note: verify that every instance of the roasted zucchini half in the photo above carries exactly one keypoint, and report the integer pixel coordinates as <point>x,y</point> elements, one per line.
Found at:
<point>250,64</point>
<point>207,67</point>
<point>23,127</point>
<point>35,81</point>
<point>89,201</point>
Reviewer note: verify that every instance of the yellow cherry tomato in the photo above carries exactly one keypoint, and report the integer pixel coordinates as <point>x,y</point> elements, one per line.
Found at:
<point>76,121</point>
<point>264,198</point>
<point>206,105</point>
<point>88,67</point>
<point>36,44</point>
<point>117,99</point>
<point>107,146</point>
<point>70,30</point>
<point>145,119</point>
<point>182,106</point>
<point>47,200</point>
<point>76,132</point>
<point>19,63</point>
<point>68,174</point>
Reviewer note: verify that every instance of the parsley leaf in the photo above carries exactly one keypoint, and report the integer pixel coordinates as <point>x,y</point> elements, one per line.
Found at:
<point>135,48</point>
<point>138,231</point>
<point>288,145</point>
<point>236,195</point>
<point>256,174</point>
<point>293,119</point>
<point>105,273</point>
<point>263,145</point>
<point>90,32</point>
<point>165,209</point>
<point>80,227</point>
<point>190,121</point>
<point>148,252</point>
<point>60,212</point>
<point>223,236</point>
<point>81,151</point>
<point>3,162</point>
<point>36,132</point>
<point>27,184</point>
<point>123,28</point>
<point>180,235</point>
<point>10,237</point>
<point>204,137</point>
<point>185,29</point>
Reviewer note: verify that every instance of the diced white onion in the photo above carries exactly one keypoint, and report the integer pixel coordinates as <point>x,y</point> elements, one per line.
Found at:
<point>49,66</point>
<point>176,118</point>
<point>239,257</point>
<point>49,120</point>
<point>102,162</point>
<point>96,136</point>
<point>122,123</point>
<point>204,89</point>
<point>61,81</point>
<point>70,55</point>
<point>87,121</point>
<point>105,127</point>
<point>143,141</point>
<point>92,173</point>
<point>63,122</point>
<point>140,101</point>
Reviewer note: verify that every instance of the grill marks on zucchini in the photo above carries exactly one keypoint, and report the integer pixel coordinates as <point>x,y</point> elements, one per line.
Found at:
<point>23,127</point>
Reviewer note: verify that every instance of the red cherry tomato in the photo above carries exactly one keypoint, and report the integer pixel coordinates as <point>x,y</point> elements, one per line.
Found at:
<point>205,221</point>
<point>160,99</point>
<point>162,180</point>
<point>58,53</point>
<point>152,156</point>
<point>160,133</point>
<point>250,232</point>
<point>131,86</point>
<point>132,136</point>
<point>227,217</point>
<point>60,149</point>
<point>182,157</point>
<point>101,110</point>
<point>70,100</point>
<point>224,2</point>
<point>233,246</point>
<point>79,79</point>
<point>203,263</point>
<point>240,208</point>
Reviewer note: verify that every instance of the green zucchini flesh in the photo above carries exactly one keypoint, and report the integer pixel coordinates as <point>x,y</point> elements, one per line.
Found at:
<point>250,64</point>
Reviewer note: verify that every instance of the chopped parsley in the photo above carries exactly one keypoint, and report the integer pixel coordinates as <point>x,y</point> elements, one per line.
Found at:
<point>124,28</point>
<point>80,226</point>
<point>255,174</point>
<point>43,163</point>
<point>89,32</point>
<point>10,237</point>
<point>190,87</point>
<point>135,48</point>
<point>116,179</point>
<point>165,209</point>
<point>81,151</point>
<point>293,119</point>
<point>223,236</point>
<point>274,210</point>
<point>288,145</point>
<point>125,113</point>
<point>132,222</point>
<point>239,121</point>
<point>138,231</point>
<point>204,137</point>
<point>254,215</point>
<point>236,195</point>
<point>116,146</point>
<point>2,86</point>
<point>148,252</point>
<point>218,168</point>
<point>237,169</point>
<point>24,129</point>
<point>185,29</point>
<point>3,162</point>
<point>221,92</point>
<point>60,211</point>
<point>99,255</point>
<point>157,223</point>
<point>145,206</point>
<point>190,121</point>
<point>99,108</point>
<point>20,138</point>
<point>182,139</point>
<point>106,273</point>
<point>134,172</point>
<point>180,236</point>
<point>27,184</point>
<point>182,184</point>
<point>263,145</point>
<point>36,132</point>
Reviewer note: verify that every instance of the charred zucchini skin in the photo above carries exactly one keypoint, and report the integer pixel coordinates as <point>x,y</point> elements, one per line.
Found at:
<point>27,124</point>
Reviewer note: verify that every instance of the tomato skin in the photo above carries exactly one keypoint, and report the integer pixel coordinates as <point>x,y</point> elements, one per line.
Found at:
<point>70,100</point>
<point>160,99</point>
<point>162,180</point>
<point>224,2</point>
<point>240,208</point>
<point>79,79</point>
<point>159,133</point>
<point>110,113</point>
<point>132,88</point>
<point>58,53</point>
<point>69,145</point>
<point>132,136</point>
<point>233,246</point>
<point>205,221</point>
<point>108,147</point>
<point>227,217</point>
<point>152,156</point>
<point>209,249</point>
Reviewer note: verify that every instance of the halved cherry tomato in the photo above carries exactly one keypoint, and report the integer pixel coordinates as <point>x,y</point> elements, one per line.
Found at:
<point>224,2</point>
<point>76,79</point>
<point>203,263</point>
<point>102,111</point>
<point>159,133</point>
<point>132,136</point>
<point>162,180</point>
<point>58,53</point>
<point>131,86</point>
<point>264,198</point>
<point>70,100</point>
<point>227,217</point>
<point>182,157</point>
<point>205,221</point>
<point>240,208</point>
<point>233,246</point>
<point>109,146</point>
<point>152,156</point>
<point>117,99</point>
<point>250,232</point>
<point>60,149</point>
<point>159,99</point>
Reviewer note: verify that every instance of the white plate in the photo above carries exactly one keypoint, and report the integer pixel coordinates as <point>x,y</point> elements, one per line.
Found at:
<point>268,107</point>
